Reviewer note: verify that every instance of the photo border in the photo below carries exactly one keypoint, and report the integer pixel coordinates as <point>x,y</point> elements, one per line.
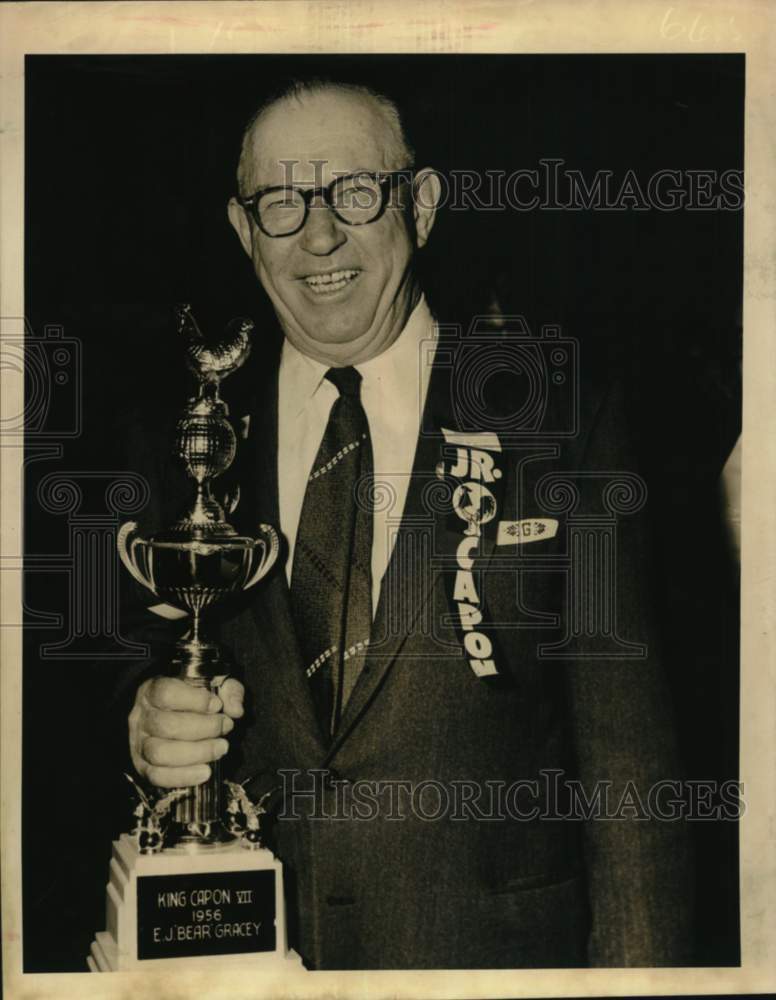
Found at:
<point>306,26</point>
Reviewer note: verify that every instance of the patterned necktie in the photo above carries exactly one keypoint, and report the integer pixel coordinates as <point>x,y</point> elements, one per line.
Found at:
<point>331,580</point>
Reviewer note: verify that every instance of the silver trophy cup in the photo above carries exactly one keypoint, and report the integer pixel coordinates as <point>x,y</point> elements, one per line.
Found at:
<point>200,561</point>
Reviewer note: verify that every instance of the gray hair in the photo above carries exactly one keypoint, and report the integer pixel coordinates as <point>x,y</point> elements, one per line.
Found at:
<point>401,151</point>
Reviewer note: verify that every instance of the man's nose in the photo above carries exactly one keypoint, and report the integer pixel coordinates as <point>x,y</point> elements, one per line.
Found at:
<point>321,234</point>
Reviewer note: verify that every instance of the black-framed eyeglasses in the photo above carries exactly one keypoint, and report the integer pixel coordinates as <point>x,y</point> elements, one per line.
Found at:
<point>355,199</point>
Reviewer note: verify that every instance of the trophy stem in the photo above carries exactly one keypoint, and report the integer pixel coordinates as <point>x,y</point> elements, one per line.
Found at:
<point>196,824</point>
<point>195,626</point>
<point>206,512</point>
<point>198,659</point>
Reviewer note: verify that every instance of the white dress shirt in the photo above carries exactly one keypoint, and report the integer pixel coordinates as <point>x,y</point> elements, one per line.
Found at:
<point>393,391</point>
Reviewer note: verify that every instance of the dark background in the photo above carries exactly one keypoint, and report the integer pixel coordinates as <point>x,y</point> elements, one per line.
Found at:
<point>129,164</point>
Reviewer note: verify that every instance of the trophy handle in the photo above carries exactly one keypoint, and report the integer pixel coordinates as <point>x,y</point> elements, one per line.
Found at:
<point>128,557</point>
<point>271,545</point>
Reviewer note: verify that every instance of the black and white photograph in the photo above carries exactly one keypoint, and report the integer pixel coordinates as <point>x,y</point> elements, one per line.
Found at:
<point>379,550</point>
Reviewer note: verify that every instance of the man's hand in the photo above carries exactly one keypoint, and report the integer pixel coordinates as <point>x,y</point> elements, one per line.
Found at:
<point>175,729</point>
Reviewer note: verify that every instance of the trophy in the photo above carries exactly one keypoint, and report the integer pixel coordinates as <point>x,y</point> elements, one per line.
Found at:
<point>193,880</point>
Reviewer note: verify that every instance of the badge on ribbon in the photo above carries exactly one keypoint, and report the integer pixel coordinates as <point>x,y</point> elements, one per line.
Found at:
<point>470,466</point>
<point>530,529</point>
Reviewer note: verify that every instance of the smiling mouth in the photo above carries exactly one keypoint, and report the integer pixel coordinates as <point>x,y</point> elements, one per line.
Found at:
<point>333,281</point>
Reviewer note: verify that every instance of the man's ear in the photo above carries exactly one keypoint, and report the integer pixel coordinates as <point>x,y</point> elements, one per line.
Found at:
<point>241,225</point>
<point>426,195</point>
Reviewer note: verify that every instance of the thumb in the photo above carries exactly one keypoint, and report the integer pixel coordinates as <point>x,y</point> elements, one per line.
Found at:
<point>232,695</point>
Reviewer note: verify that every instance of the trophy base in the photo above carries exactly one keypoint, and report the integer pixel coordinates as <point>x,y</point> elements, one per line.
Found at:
<point>223,905</point>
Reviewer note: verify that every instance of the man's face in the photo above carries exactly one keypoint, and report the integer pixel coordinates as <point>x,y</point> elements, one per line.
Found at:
<point>361,305</point>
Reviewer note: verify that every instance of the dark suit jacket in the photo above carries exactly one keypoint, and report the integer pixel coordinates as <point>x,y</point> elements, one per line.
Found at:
<point>407,888</point>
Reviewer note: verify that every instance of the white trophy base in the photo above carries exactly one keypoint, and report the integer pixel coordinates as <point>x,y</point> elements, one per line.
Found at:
<point>163,909</point>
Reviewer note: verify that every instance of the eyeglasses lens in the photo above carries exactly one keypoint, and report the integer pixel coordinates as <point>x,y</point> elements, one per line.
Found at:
<point>281,211</point>
<point>357,199</point>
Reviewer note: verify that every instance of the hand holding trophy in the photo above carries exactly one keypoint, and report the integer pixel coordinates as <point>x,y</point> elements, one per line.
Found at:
<point>183,885</point>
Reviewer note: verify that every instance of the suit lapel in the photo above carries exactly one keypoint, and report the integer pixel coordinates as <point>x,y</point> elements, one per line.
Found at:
<point>271,604</point>
<point>426,545</point>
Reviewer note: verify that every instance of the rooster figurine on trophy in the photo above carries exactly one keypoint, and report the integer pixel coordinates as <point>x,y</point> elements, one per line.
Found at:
<point>186,884</point>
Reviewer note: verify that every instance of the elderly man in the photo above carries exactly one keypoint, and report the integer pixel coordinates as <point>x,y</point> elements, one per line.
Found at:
<point>401,688</point>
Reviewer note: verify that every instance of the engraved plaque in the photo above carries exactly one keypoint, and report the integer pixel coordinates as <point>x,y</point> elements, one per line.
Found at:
<point>223,913</point>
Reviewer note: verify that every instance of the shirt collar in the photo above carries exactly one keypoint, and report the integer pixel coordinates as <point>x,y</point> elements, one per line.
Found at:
<point>301,372</point>
<point>391,369</point>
